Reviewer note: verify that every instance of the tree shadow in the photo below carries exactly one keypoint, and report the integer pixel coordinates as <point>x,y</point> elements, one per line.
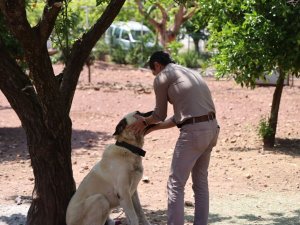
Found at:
<point>282,145</point>
<point>276,218</point>
<point>13,144</point>
<point>88,139</point>
<point>13,219</point>
<point>287,146</point>
<point>242,149</point>
<point>159,217</point>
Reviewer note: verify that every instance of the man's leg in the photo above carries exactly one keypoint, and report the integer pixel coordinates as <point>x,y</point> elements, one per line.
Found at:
<point>200,187</point>
<point>184,158</point>
<point>200,175</point>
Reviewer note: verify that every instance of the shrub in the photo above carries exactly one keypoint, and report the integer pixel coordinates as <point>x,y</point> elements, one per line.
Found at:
<point>190,59</point>
<point>101,50</point>
<point>118,55</point>
<point>264,129</point>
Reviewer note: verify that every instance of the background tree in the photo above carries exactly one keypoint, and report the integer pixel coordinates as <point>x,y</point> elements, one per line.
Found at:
<point>195,27</point>
<point>166,17</point>
<point>252,38</point>
<point>42,102</point>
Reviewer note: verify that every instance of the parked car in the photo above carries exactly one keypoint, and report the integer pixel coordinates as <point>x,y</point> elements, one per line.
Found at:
<point>271,79</point>
<point>127,34</point>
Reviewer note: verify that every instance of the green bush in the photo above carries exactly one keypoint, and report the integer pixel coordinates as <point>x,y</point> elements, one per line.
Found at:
<point>101,50</point>
<point>173,48</point>
<point>118,55</point>
<point>264,129</point>
<point>190,59</point>
<point>137,55</point>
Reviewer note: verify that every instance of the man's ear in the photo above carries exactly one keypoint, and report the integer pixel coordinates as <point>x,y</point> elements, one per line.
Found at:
<point>120,127</point>
<point>156,64</point>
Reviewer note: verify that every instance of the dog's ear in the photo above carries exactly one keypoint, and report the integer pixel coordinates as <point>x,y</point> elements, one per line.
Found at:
<point>144,114</point>
<point>120,127</point>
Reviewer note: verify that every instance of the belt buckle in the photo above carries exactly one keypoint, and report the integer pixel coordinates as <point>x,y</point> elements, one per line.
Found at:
<point>194,120</point>
<point>210,116</point>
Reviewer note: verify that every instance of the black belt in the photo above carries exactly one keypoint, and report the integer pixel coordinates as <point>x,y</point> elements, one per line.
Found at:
<point>204,118</point>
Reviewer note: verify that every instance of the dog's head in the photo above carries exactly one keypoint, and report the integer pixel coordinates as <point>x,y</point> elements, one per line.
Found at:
<point>123,134</point>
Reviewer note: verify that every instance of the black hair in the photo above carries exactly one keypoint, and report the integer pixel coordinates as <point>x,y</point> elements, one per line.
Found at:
<point>161,57</point>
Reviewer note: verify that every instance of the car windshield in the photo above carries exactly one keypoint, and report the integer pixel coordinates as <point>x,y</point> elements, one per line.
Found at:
<point>139,34</point>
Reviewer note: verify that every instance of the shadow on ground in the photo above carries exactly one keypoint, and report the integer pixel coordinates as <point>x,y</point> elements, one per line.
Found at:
<point>288,146</point>
<point>282,145</point>
<point>159,217</point>
<point>13,219</point>
<point>13,144</point>
<point>273,218</point>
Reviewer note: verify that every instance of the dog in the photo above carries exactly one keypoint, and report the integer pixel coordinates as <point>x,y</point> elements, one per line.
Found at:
<point>112,182</point>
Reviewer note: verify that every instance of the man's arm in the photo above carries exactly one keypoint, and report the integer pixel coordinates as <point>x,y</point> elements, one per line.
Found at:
<point>169,123</point>
<point>142,123</point>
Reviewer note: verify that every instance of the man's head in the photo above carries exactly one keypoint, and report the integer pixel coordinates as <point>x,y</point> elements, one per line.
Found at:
<point>158,61</point>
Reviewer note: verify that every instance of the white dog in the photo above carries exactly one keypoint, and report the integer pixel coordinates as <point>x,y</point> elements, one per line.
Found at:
<point>112,182</point>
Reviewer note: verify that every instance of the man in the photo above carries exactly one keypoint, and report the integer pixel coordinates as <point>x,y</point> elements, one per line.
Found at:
<point>194,114</point>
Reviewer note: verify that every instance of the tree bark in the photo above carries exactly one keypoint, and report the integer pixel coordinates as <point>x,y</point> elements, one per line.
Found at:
<point>50,151</point>
<point>269,140</point>
<point>196,43</point>
<point>52,168</point>
<point>43,104</point>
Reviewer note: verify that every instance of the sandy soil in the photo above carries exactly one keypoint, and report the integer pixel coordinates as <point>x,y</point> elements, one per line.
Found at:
<point>248,185</point>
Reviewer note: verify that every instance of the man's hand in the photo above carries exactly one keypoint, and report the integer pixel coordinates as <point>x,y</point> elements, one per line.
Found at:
<point>150,128</point>
<point>138,127</point>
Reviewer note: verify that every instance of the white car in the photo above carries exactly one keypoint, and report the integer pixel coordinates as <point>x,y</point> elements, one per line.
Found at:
<point>127,34</point>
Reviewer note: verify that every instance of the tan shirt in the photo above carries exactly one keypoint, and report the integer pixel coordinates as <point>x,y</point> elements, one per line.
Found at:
<point>185,90</point>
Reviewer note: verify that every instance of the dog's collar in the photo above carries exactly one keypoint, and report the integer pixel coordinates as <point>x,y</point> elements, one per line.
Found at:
<point>132,148</point>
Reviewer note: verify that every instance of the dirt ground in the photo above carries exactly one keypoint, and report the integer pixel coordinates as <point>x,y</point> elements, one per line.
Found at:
<point>247,184</point>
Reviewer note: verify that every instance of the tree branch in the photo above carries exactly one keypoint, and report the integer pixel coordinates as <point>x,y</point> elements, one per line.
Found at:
<point>82,48</point>
<point>182,16</point>
<point>17,88</point>
<point>46,24</point>
<point>37,57</point>
<point>190,14</point>
<point>163,13</point>
<point>178,19</point>
<point>150,19</point>
<point>15,15</point>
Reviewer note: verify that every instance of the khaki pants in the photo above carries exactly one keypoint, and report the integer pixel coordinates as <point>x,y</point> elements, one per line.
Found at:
<point>191,155</point>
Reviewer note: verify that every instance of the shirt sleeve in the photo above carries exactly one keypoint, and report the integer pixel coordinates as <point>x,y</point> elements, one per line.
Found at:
<point>161,93</point>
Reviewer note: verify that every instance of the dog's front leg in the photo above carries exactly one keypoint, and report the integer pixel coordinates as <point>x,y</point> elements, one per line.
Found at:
<point>138,209</point>
<point>127,205</point>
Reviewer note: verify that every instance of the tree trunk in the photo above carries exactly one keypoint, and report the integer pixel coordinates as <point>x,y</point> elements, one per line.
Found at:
<point>43,103</point>
<point>52,168</point>
<point>196,43</point>
<point>269,140</point>
<point>48,141</point>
